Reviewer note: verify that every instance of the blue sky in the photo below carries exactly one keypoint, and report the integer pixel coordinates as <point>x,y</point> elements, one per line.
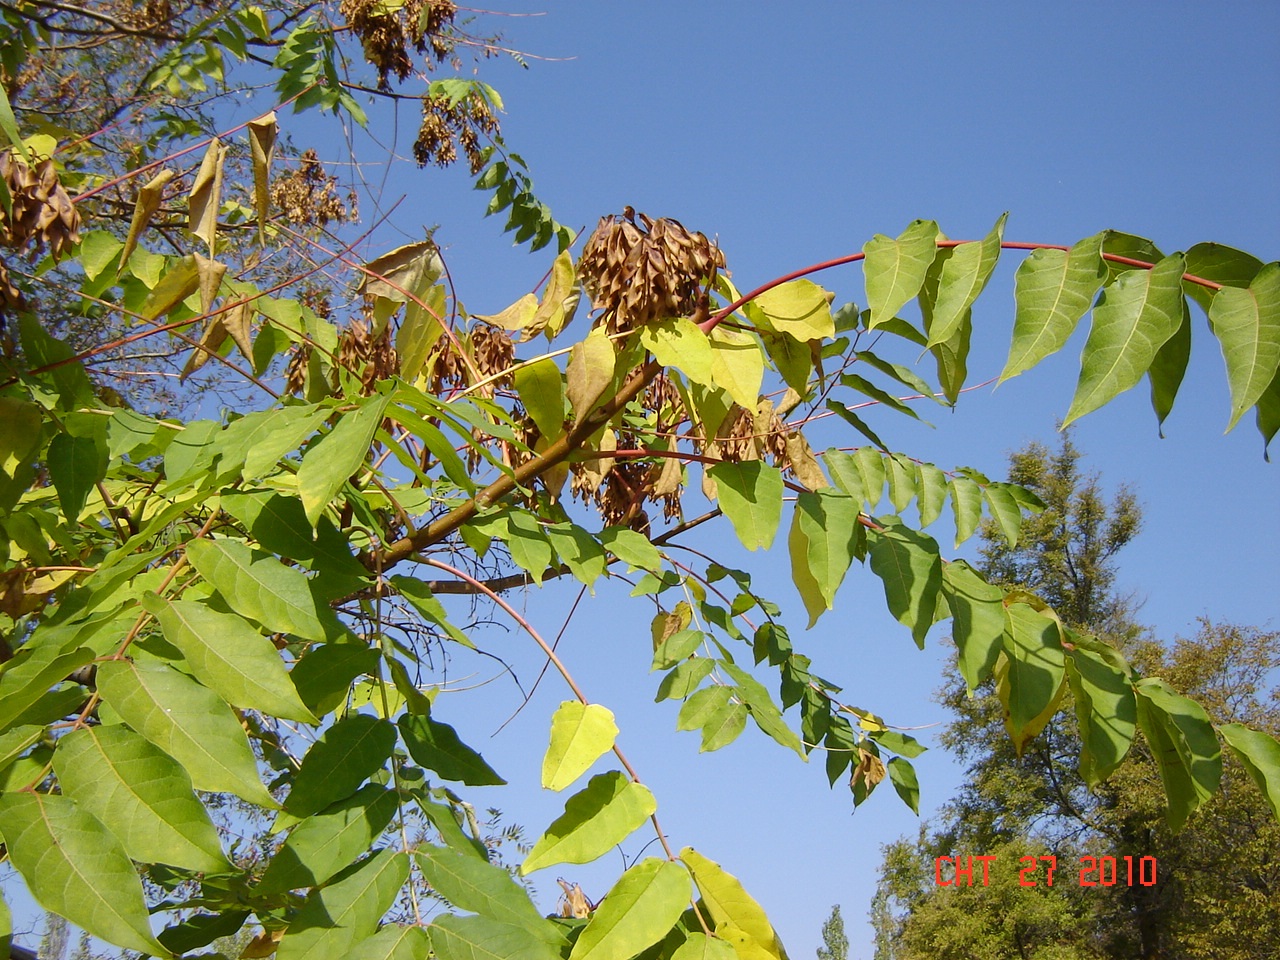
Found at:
<point>793,133</point>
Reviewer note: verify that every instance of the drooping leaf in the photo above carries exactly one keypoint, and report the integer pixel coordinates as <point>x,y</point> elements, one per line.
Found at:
<point>340,915</point>
<point>977,612</point>
<point>335,766</point>
<point>230,657</point>
<point>328,465</point>
<point>903,776</point>
<point>324,676</point>
<point>327,842</point>
<point>750,494</point>
<point>1036,674</point>
<point>737,365</point>
<point>403,273</point>
<point>1005,510</point>
<point>202,929</point>
<point>589,372</point>
<point>964,276</point>
<point>729,903</point>
<point>902,481</point>
<point>578,550</point>
<point>909,564</point>
<point>145,207</point>
<point>76,868</point>
<point>1134,317</point>
<point>262,589</point>
<point>895,269</point>
<point>76,465</point>
<point>1168,367</point>
<point>581,733</point>
<point>1221,264</point>
<point>188,722</point>
<point>262,144</point>
<point>677,342</point>
<point>931,492</point>
<point>1105,707</point>
<point>1184,745</point>
<point>394,942</point>
<point>825,537</point>
<point>699,946</point>
<point>205,198</point>
<point>1260,754</point>
<point>1052,290</point>
<point>632,548</point>
<point>595,820</point>
<point>966,505</point>
<point>143,793</point>
<point>1247,324</point>
<point>638,911</point>
<point>437,747</point>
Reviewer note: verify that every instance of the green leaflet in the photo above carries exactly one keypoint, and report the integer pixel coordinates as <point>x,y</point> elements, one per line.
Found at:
<point>1184,745</point>
<point>702,706</point>
<point>952,358</point>
<point>825,537</point>
<point>798,308</point>
<point>394,942</point>
<point>684,679</point>
<point>1005,510</point>
<point>845,474</point>
<point>262,589</point>
<point>1247,324</point>
<point>580,735</point>
<point>1105,707</point>
<point>143,793</point>
<point>328,464</point>
<point>529,546</point>
<point>541,390</point>
<point>188,722</point>
<point>254,444</point>
<point>1032,684</point>
<point>1134,317</point>
<point>76,868</point>
<point>432,610</point>
<point>578,550</point>
<point>895,269</point>
<point>446,821</point>
<point>589,372</point>
<point>478,886</point>
<point>698,946</point>
<point>327,842</point>
<point>76,465</point>
<point>1260,755</point>
<point>436,746</point>
<point>750,494</point>
<point>324,676</point>
<point>30,674</point>
<point>729,903</point>
<point>723,724</point>
<point>977,620</point>
<point>1052,290</point>
<point>337,917</point>
<point>202,929</point>
<point>900,743</point>
<point>763,710</point>
<point>638,911</point>
<point>229,657</point>
<point>596,819</point>
<point>931,492</point>
<point>483,938</point>
<point>909,564</point>
<point>903,776</point>
<point>737,365</point>
<point>964,276</point>
<point>419,331</point>
<point>632,548</point>
<point>346,755</point>
<point>1168,367</point>
<point>1221,264</point>
<point>966,506</point>
<point>902,481</point>
<point>677,342</point>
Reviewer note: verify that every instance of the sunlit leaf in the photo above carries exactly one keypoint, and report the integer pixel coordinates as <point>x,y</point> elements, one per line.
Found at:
<point>728,902</point>
<point>638,911</point>
<point>346,755</point>
<point>338,916</point>
<point>750,494</point>
<point>895,269</point>
<point>581,733</point>
<point>595,820</point>
<point>1247,324</point>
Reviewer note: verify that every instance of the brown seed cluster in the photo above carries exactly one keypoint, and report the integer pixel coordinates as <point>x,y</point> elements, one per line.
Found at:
<point>40,213</point>
<point>369,358</point>
<point>639,272</point>
<point>449,124</point>
<point>494,353</point>
<point>389,32</point>
<point>308,195</point>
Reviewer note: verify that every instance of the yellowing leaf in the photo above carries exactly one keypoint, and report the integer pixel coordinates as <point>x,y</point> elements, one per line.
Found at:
<point>205,198</point>
<point>262,144</point>
<point>729,903</point>
<point>800,308</point>
<point>589,373</point>
<point>559,300</point>
<point>541,390</point>
<point>638,911</point>
<point>895,269</point>
<point>515,317</point>
<point>180,281</point>
<point>737,365</point>
<point>580,735</point>
<point>144,209</point>
<point>595,820</point>
<point>402,273</point>
<point>677,342</point>
<point>211,273</point>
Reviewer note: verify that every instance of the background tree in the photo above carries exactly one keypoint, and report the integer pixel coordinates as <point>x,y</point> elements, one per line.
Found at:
<point>270,602</point>
<point>835,945</point>
<point>1039,803</point>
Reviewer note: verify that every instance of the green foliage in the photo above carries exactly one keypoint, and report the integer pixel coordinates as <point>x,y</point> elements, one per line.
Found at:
<point>248,592</point>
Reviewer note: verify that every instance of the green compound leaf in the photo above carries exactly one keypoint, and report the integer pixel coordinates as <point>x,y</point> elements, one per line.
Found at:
<point>1185,747</point>
<point>895,269</point>
<point>1052,290</point>
<point>229,657</point>
<point>1247,324</point>
<point>750,494</point>
<point>346,755</point>
<point>262,589</point>
<point>437,747</point>
<point>580,735</point>
<point>638,911</point>
<point>595,819</point>
<point>1105,707</point>
<point>730,904</point>
<point>126,781</point>
<point>76,868</point>
<point>1134,317</point>
<point>189,722</point>
<point>328,465</point>
<point>337,917</point>
<point>327,842</point>
<point>909,564</point>
<point>1260,755</point>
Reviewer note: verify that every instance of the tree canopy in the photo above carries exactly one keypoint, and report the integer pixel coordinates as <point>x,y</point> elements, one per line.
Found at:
<point>249,609</point>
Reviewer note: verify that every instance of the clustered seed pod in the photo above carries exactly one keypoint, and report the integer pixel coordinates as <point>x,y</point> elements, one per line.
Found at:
<point>388,31</point>
<point>307,194</point>
<point>448,124</point>
<point>493,351</point>
<point>368,357</point>
<point>40,213</point>
<point>641,272</point>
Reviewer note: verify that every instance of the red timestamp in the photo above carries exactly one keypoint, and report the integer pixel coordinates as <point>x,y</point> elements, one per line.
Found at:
<point>1094,871</point>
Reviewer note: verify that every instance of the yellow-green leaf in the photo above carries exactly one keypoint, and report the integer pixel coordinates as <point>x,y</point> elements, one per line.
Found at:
<point>580,735</point>
<point>1247,324</point>
<point>799,308</point>
<point>595,820</point>
<point>895,269</point>
<point>729,903</point>
<point>638,911</point>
